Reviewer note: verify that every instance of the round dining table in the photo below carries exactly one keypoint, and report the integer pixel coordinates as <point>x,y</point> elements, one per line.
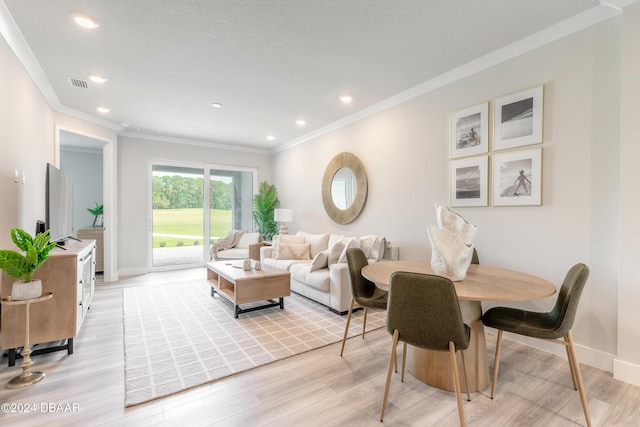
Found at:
<point>481,283</point>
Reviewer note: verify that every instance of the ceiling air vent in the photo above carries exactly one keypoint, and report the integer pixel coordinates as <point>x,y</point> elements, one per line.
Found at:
<point>79,83</point>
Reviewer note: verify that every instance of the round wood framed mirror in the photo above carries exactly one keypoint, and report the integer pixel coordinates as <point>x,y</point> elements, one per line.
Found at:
<point>344,188</point>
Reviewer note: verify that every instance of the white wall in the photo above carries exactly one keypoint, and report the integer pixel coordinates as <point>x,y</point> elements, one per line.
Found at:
<point>405,152</point>
<point>133,156</point>
<point>26,144</point>
<point>627,366</point>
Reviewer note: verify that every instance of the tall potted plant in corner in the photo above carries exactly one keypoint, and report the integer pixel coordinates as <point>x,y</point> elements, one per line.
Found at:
<point>22,267</point>
<point>264,203</point>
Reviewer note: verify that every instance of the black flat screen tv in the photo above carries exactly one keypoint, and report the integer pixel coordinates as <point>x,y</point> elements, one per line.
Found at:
<point>58,204</point>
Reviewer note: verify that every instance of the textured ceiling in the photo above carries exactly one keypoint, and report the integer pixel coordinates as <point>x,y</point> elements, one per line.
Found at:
<point>268,62</point>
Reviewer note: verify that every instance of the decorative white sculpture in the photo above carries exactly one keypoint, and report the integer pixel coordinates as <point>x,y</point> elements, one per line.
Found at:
<point>451,244</point>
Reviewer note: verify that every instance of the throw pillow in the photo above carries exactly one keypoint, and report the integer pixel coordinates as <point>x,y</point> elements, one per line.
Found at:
<point>334,252</point>
<point>320,261</point>
<point>373,246</point>
<point>351,243</point>
<point>284,238</point>
<point>293,251</point>
<point>319,242</point>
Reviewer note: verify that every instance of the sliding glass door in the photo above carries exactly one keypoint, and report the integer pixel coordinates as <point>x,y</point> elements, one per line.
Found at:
<point>184,222</point>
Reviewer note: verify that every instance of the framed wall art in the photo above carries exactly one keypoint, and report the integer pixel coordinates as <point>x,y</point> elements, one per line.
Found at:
<point>470,131</point>
<point>517,119</point>
<point>469,182</point>
<point>517,178</point>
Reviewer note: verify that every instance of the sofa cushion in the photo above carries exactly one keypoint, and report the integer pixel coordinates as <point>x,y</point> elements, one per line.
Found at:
<point>233,253</point>
<point>284,264</point>
<point>333,238</point>
<point>318,242</point>
<point>293,251</point>
<point>247,239</point>
<point>320,260</point>
<point>318,279</point>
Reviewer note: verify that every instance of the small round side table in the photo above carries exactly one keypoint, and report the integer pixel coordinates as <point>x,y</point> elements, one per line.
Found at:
<point>27,377</point>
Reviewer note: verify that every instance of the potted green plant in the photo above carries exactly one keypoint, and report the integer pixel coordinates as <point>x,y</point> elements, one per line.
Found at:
<point>22,267</point>
<point>264,203</point>
<point>97,213</point>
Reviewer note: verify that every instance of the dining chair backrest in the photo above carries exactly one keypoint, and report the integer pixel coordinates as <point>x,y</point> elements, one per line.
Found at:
<point>360,287</point>
<point>425,310</point>
<point>564,310</point>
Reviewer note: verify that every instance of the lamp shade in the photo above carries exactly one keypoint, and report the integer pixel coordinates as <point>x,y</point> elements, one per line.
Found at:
<point>283,215</point>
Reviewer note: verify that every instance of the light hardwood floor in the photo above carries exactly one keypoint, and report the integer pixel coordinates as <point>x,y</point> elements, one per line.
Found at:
<point>318,388</point>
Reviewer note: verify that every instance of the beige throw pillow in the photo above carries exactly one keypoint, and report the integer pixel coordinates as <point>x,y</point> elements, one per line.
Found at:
<point>320,261</point>
<point>293,251</point>
<point>319,242</point>
<point>284,238</point>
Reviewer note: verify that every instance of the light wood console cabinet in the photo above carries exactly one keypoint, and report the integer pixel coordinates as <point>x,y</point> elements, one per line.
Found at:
<point>70,275</point>
<point>97,234</point>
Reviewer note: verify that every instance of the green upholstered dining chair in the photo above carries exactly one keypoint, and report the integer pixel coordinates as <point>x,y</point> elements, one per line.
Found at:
<point>363,292</point>
<point>424,311</point>
<point>549,326</point>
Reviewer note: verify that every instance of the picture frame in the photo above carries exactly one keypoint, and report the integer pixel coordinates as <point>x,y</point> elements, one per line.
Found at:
<point>469,131</point>
<point>517,119</point>
<point>517,178</point>
<point>98,220</point>
<point>469,182</point>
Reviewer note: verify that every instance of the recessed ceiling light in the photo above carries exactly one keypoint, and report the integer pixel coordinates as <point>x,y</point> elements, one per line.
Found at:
<point>301,122</point>
<point>97,79</point>
<point>103,110</point>
<point>271,137</point>
<point>85,21</point>
<point>216,105</point>
<point>345,99</point>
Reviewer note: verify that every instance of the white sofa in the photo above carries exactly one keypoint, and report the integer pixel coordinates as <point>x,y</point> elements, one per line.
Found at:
<point>317,263</point>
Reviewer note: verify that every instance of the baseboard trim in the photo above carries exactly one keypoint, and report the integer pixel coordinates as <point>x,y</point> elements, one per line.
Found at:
<point>627,372</point>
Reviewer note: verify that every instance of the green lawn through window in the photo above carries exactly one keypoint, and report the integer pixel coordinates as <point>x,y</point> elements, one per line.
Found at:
<point>184,227</point>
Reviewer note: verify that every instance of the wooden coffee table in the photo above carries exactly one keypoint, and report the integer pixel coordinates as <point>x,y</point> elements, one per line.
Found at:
<point>237,286</point>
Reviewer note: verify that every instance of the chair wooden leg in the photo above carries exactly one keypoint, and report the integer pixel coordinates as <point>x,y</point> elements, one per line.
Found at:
<point>572,367</point>
<point>464,372</point>
<point>574,360</point>
<point>394,344</point>
<point>404,359</point>
<point>346,327</point>
<point>456,380</point>
<point>364,322</point>
<point>496,363</point>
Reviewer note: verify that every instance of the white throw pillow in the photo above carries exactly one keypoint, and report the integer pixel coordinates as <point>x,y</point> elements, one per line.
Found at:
<point>248,239</point>
<point>351,243</point>
<point>334,252</point>
<point>373,246</point>
<point>319,242</point>
<point>293,251</point>
<point>320,260</point>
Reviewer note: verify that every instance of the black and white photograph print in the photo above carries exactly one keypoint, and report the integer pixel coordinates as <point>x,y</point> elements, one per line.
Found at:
<point>517,119</point>
<point>470,131</point>
<point>469,182</point>
<point>517,178</point>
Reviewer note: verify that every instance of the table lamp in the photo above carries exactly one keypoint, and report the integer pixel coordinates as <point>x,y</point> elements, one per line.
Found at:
<point>283,216</point>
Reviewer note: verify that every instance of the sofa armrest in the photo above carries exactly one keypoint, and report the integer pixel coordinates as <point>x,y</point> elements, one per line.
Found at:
<point>392,253</point>
<point>340,291</point>
<point>265,252</point>
<point>254,250</point>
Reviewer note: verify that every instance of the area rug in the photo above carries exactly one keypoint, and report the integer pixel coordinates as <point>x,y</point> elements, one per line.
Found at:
<point>176,336</point>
